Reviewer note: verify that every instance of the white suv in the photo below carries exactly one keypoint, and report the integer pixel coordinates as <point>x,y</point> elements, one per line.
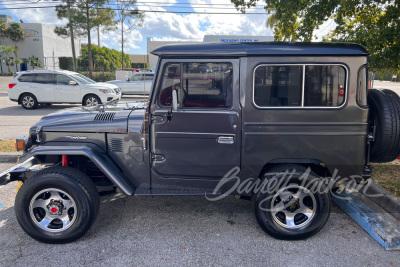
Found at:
<point>30,88</point>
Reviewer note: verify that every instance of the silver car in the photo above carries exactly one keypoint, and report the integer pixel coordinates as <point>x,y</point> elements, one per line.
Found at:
<point>135,84</point>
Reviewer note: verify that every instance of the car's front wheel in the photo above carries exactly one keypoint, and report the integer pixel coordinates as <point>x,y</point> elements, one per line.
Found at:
<point>295,204</point>
<point>57,205</point>
<point>91,100</point>
<point>28,101</point>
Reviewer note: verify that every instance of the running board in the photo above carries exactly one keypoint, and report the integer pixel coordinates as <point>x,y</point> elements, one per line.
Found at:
<point>166,192</point>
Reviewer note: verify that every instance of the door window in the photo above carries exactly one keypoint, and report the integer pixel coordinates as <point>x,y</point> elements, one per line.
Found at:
<point>198,85</point>
<point>62,79</point>
<point>44,78</point>
<point>26,78</point>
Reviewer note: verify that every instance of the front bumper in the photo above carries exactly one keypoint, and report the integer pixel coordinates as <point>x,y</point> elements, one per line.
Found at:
<point>108,97</point>
<point>14,172</point>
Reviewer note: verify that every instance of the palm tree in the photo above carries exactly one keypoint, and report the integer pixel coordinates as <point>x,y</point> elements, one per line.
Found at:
<point>16,34</point>
<point>34,61</point>
<point>9,53</point>
<point>2,52</point>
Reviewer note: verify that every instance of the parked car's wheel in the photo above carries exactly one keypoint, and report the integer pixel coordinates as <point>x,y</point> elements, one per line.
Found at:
<point>91,100</point>
<point>57,205</point>
<point>384,115</point>
<point>28,101</point>
<point>292,210</point>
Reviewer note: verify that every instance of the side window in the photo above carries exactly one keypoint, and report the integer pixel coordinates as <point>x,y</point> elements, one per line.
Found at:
<point>284,86</point>
<point>62,79</point>
<point>199,85</point>
<point>171,81</point>
<point>324,86</point>
<point>362,86</point>
<point>26,78</point>
<point>44,78</point>
<point>134,77</point>
<point>148,77</point>
<point>278,86</point>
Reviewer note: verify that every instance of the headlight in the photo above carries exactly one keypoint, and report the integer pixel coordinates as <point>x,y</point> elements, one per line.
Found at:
<point>106,91</point>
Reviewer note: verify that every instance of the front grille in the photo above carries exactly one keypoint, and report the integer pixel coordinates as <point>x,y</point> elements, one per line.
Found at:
<point>116,145</point>
<point>105,116</point>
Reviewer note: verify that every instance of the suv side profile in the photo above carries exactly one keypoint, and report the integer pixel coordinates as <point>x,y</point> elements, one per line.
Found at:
<point>276,123</point>
<point>31,88</point>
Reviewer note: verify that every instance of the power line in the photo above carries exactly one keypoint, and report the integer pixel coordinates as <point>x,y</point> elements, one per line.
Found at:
<point>150,11</point>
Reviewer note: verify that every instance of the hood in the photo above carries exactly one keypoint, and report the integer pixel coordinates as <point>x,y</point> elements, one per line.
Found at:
<point>101,85</point>
<point>98,119</point>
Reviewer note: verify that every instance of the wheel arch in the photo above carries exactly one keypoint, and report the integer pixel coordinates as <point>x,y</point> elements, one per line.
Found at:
<point>24,93</point>
<point>89,94</point>
<point>316,165</point>
<point>101,160</point>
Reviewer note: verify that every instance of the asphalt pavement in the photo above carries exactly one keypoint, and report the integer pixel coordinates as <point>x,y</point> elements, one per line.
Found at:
<point>175,231</point>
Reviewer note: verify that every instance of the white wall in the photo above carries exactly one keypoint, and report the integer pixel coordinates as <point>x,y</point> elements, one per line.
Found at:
<point>41,41</point>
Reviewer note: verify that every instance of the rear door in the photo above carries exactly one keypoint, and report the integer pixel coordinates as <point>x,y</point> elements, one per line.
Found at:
<point>202,138</point>
<point>43,87</point>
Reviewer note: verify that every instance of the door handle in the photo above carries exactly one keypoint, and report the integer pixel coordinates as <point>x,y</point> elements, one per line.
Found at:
<point>226,139</point>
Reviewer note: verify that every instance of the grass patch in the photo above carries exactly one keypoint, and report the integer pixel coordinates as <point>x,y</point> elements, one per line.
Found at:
<point>7,146</point>
<point>387,175</point>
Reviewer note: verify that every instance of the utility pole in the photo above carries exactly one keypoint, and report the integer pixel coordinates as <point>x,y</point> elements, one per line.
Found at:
<point>71,31</point>
<point>98,26</point>
<point>122,33</point>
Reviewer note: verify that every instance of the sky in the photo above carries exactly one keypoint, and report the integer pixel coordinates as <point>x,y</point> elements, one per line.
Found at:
<point>159,26</point>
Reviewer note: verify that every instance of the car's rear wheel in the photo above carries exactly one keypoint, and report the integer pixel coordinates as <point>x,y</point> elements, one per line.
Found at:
<point>57,205</point>
<point>292,209</point>
<point>91,100</point>
<point>28,101</point>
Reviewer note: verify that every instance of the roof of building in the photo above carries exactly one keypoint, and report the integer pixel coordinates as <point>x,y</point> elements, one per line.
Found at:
<point>261,48</point>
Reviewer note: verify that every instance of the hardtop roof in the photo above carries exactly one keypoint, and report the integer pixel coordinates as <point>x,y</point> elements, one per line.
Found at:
<point>261,48</point>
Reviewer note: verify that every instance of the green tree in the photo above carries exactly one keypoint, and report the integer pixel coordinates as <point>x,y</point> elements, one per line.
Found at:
<point>9,57</point>
<point>34,62</point>
<point>103,57</point>
<point>83,18</point>
<point>3,29</point>
<point>128,18</point>
<point>2,53</point>
<point>372,23</point>
<point>16,34</point>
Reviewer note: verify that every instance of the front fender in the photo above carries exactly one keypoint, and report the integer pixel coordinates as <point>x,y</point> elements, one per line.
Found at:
<point>101,160</point>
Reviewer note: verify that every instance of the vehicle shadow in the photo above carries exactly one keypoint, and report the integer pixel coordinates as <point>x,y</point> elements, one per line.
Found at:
<point>17,110</point>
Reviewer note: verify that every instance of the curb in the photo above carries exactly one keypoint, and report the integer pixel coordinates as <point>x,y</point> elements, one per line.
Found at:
<point>9,157</point>
<point>385,199</point>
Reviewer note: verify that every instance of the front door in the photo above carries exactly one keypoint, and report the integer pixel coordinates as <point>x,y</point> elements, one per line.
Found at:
<point>65,92</point>
<point>201,139</point>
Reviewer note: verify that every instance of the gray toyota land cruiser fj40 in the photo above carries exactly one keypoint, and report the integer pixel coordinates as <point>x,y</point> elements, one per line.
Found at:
<point>266,121</point>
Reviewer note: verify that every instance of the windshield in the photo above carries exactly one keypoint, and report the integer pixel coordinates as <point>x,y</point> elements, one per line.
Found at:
<point>82,79</point>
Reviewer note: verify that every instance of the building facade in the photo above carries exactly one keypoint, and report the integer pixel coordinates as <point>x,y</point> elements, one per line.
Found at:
<point>41,41</point>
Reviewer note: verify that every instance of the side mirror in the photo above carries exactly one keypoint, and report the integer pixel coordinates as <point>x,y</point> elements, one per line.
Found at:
<point>127,79</point>
<point>72,83</point>
<point>174,100</point>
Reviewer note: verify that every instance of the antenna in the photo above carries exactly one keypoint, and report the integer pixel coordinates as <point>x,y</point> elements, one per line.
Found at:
<point>144,102</point>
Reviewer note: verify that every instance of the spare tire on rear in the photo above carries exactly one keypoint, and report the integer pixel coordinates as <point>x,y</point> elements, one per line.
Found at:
<point>384,114</point>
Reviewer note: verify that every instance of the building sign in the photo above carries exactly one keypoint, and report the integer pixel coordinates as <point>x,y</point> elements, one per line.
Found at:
<point>239,40</point>
<point>30,33</point>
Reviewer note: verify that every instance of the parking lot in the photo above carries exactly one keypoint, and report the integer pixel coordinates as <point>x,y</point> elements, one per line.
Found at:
<point>176,231</point>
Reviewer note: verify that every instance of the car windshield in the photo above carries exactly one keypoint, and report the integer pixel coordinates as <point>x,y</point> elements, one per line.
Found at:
<point>82,79</point>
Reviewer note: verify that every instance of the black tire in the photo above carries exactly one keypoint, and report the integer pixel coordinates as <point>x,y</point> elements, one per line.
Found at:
<point>75,188</point>
<point>275,221</point>
<point>28,101</point>
<point>384,115</point>
<point>90,99</point>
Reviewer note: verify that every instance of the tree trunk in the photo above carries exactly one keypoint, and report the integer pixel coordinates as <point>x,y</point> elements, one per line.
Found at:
<point>89,44</point>
<point>71,31</point>
<point>1,65</point>
<point>122,43</point>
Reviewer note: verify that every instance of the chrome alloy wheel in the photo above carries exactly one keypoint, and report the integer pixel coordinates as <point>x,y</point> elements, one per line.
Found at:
<point>53,210</point>
<point>91,101</point>
<point>293,207</point>
<point>28,101</point>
